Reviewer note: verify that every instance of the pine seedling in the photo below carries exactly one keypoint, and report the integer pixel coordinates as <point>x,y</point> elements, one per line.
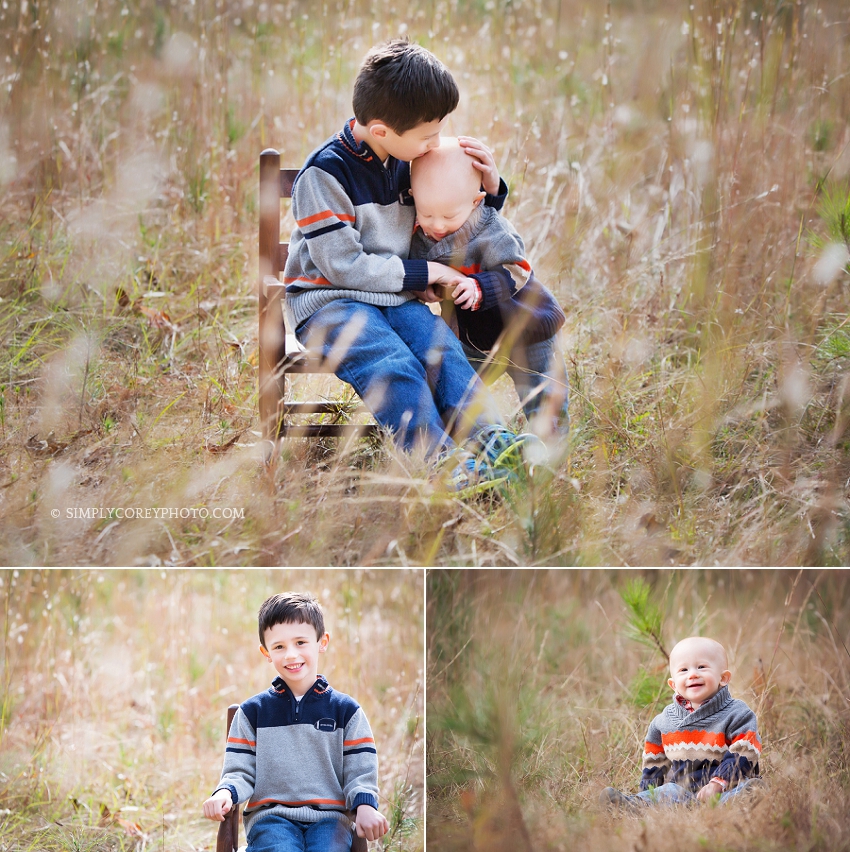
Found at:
<point>645,619</point>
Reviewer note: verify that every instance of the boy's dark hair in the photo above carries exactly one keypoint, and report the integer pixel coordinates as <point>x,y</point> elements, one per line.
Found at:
<point>402,85</point>
<point>290,608</point>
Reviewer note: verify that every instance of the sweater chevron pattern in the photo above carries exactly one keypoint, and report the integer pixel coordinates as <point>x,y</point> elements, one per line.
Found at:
<point>717,740</point>
<point>303,760</point>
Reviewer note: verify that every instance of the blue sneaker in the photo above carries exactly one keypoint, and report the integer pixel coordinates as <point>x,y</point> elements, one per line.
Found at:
<point>499,453</point>
<point>468,475</point>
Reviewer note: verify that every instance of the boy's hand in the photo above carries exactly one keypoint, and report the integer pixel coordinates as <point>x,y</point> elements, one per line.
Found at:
<point>218,805</point>
<point>439,273</point>
<point>466,294</point>
<point>432,293</point>
<point>484,162</point>
<point>709,791</point>
<point>370,823</point>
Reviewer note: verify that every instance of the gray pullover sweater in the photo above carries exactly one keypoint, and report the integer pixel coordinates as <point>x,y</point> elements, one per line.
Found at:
<point>690,747</point>
<point>303,760</point>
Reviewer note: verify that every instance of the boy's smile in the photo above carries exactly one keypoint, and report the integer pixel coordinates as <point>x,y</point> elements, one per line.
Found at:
<point>294,651</point>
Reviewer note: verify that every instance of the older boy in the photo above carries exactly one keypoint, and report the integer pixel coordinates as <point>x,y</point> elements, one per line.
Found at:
<point>300,754</point>
<point>500,307</point>
<point>705,744</point>
<point>351,289</point>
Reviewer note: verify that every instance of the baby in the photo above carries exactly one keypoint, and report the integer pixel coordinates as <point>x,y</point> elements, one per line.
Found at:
<point>705,743</point>
<point>500,309</point>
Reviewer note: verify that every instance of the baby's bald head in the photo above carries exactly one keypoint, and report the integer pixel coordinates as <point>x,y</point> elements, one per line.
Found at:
<point>446,188</point>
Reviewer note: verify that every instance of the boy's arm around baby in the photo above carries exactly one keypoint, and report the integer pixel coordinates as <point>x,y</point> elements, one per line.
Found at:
<point>358,247</point>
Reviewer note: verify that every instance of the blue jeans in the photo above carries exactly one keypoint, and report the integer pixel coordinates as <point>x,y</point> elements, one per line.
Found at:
<point>277,834</point>
<point>539,374</point>
<point>673,794</point>
<point>406,366</point>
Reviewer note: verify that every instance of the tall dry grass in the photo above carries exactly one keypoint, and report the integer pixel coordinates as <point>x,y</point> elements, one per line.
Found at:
<point>114,688</point>
<point>539,695</point>
<point>679,173</point>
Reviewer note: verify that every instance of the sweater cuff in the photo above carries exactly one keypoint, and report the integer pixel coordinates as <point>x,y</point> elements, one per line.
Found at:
<point>232,790</point>
<point>364,799</point>
<point>497,201</point>
<point>415,275</point>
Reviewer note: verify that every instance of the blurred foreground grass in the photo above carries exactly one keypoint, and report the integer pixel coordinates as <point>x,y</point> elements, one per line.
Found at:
<point>679,173</point>
<point>114,688</point>
<point>539,696</point>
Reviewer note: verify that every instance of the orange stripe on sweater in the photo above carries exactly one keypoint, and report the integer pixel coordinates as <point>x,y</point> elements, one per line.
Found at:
<point>652,748</point>
<point>751,737</point>
<point>295,804</point>
<point>322,281</point>
<point>693,738</point>
<point>245,742</point>
<point>357,742</point>
<point>325,214</point>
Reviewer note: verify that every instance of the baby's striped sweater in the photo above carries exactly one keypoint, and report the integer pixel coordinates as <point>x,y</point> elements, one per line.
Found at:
<point>717,740</point>
<point>304,760</point>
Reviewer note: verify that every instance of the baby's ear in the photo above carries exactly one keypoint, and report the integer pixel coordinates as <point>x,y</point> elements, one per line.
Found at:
<point>671,683</point>
<point>479,198</point>
<point>725,678</point>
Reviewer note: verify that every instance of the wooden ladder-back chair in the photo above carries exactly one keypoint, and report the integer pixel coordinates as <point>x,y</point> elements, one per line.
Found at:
<point>228,831</point>
<point>280,353</point>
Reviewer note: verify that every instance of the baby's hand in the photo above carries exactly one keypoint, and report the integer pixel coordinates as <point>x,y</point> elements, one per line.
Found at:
<point>467,294</point>
<point>218,805</point>
<point>370,823</point>
<point>484,162</point>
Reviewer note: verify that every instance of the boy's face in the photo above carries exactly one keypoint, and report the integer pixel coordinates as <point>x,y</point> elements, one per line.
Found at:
<point>698,670</point>
<point>405,146</point>
<point>294,651</point>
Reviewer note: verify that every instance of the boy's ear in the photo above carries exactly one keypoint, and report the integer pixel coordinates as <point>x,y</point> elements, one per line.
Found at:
<point>323,643</point>
<point>265,653</point>
<point>377,129</point>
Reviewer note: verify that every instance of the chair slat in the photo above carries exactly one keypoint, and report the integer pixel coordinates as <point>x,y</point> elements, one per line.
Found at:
<point>326,430</point>
<point>318,408</point>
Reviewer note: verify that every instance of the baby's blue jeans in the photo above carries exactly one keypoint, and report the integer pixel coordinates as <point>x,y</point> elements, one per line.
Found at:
<point>278,834</point>
<point>539,374</point>
<point>674,794</point>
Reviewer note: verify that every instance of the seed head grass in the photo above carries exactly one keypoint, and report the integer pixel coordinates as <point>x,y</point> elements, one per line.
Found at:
<point>679,176</point>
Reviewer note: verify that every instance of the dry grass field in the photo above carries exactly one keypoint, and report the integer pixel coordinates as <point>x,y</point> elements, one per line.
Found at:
<point>680,173</point>
<point>541,689</point>
<point>114,687</point>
